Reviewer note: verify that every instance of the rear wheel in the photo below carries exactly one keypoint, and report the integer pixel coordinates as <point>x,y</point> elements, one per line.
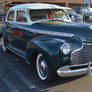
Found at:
<point>44,70</point>
<point>4,44</point>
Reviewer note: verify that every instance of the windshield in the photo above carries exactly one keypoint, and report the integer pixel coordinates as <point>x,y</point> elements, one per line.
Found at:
<point>54,14</point>
<point>70,11</point>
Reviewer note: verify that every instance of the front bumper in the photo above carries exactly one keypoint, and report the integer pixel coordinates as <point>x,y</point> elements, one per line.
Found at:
<point>75,70</point>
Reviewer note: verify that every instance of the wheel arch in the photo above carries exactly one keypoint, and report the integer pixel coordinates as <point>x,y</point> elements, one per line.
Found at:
<point>32,53</point>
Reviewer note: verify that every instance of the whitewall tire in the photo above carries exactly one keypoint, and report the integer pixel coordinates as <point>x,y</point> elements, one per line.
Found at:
<point>44,70</point>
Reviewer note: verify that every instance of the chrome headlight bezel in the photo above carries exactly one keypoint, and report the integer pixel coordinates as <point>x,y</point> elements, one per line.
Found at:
<point>65,48</point>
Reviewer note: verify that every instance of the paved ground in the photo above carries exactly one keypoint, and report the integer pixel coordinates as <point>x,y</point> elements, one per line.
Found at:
<point>17,76</point>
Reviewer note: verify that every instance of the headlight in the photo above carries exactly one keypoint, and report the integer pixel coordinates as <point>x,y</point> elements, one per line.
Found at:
<point>65,49</point>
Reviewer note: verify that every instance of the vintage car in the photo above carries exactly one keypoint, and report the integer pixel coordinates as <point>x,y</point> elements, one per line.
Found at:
<point>44,36</point>
<point>82,10</point>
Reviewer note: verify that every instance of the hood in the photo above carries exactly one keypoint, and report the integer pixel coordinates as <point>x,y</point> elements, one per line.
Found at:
<point>79,30</point>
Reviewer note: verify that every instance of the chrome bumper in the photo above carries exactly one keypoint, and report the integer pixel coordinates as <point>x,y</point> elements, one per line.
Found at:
<point>75,70</point>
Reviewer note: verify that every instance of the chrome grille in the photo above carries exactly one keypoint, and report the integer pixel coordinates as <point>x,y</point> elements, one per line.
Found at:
<point>84,55</point>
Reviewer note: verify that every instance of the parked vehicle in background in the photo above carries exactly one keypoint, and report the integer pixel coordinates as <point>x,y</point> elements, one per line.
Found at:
<point>75,17</point>
<point>87,17</point>
<point>82,10</point>
<point>43,35</point>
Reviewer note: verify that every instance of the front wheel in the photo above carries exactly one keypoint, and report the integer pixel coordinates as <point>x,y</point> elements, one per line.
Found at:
<point>44,70</point>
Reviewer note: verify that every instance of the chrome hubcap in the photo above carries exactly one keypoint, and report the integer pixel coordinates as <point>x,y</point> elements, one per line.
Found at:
<point>41,67</point>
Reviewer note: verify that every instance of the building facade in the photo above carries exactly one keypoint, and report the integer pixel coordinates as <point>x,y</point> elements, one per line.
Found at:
<point>68,3</point>
<point>59,2</point>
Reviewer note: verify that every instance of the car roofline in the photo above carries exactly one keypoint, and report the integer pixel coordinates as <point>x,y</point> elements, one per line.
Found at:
<point>36,6</point>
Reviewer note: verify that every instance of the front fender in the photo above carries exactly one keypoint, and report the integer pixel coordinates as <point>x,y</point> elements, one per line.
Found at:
<point>50,46</point>
<point>47,45</point>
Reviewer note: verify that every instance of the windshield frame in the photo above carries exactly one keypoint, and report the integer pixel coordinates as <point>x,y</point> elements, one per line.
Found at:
<point>70,11</point>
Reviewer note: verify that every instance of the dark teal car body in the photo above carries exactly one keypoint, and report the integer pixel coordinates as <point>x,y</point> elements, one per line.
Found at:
<point>48,38</point>
<point>45,42</point>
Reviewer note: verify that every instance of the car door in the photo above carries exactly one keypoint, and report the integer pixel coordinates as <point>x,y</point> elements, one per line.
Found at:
<point>21,34</point>
<point>9,27</point>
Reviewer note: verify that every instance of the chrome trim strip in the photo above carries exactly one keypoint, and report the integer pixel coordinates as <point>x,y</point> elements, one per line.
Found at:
<point>81,47</point>
<point>67,72</point>
<point>47,32</point>
<point>87,44</point>
<point>15,52</point>
<point>78,49</point>
<point>77,65</point>
<point>19,55</point>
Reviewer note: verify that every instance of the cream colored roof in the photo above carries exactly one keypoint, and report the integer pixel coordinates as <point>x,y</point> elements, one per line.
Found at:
<point>34,6</point>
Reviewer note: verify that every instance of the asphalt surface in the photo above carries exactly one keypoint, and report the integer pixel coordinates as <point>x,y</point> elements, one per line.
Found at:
<point>17,76</point>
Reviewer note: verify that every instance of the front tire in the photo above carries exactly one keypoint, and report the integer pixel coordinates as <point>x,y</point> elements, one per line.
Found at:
<point>44,70</point>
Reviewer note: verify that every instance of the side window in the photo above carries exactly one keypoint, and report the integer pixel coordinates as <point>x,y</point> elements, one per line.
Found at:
<point>21,16</point>
<point>11,16</point>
